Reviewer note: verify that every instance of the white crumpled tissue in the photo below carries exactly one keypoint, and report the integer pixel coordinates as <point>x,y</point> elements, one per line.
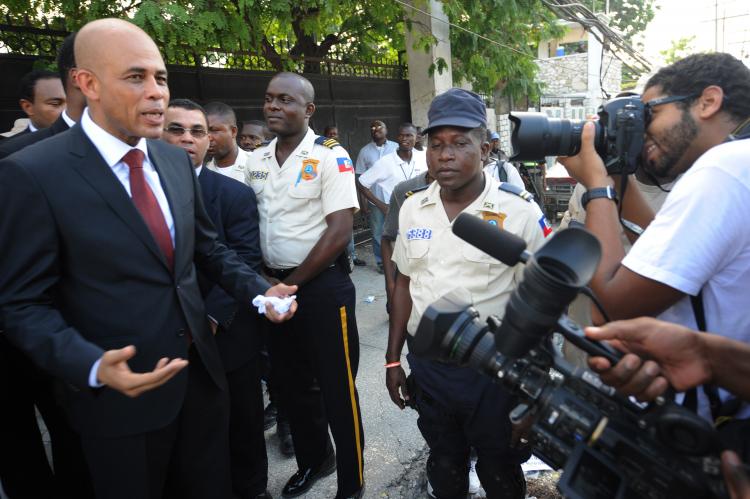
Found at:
<point>281,305</point>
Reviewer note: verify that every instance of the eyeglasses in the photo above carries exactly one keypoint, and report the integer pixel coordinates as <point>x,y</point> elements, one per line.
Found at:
<point>178,131</point>
<point>650,105</point>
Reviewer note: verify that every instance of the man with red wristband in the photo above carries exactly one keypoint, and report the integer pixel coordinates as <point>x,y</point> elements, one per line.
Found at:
<point>459,408</point>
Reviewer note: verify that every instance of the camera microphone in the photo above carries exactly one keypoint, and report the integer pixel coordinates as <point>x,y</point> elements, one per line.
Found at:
<point>498,243</point>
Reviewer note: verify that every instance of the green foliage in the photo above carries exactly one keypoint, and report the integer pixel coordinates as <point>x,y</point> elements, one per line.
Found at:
<point>275,33</point>
<point>678,49</point>
<point>506,62</point>
<point>629,17</point>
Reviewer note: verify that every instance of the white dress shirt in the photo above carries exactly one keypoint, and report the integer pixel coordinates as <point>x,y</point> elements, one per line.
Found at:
<point>112,151</point>
<point>68,119</point>
<point>391,170</point>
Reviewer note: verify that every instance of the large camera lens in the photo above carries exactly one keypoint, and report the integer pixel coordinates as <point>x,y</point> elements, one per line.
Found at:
<point>536,136</point>
<point>551,280</point>
<point>450,331</point>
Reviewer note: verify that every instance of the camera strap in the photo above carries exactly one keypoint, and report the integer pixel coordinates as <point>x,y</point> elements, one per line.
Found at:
<point>720,411</point>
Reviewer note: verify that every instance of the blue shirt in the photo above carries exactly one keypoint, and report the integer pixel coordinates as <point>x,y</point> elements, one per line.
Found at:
<point>370,153</point>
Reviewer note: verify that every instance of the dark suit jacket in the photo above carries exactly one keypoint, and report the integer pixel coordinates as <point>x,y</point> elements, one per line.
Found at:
<point>23,139</point>
<point>83,275</point>
<point>232,207</point>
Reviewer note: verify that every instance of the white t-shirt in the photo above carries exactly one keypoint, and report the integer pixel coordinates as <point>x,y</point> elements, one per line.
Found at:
<point>391,170</point>
<point>513,176</point>
<point>700,240</point>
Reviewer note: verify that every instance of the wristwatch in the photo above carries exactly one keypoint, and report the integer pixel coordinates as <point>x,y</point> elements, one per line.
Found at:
<point>599,192</point>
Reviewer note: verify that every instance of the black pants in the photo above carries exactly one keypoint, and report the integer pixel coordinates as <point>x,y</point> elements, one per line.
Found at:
<point>24,469</point>
<point>315,360</point>
<point>247,443</point>
<point>187,459</point>
<point>459,409</point>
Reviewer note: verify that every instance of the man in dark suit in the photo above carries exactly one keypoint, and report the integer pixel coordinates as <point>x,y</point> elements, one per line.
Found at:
<point>24,468</point>
<point>232,208</point>
<point>75,102</point>
<point>99,285</point>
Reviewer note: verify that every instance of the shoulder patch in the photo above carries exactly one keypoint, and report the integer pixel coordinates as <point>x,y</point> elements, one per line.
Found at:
<point>513,189</point>
<point>415,190</point>
<point>325,141</point>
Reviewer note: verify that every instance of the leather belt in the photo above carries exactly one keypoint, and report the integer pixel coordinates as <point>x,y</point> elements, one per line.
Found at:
<point>279,274</point>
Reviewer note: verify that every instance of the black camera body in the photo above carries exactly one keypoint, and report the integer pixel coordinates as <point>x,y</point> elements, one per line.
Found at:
<point>607,445</point>
<point>618,140</point>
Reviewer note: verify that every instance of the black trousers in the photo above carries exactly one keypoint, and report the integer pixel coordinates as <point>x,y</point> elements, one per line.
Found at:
<point>315,360</point>
<point>247,443</point>
<point>187,459</point>
<point>460,408</point>
<point>24,468</point>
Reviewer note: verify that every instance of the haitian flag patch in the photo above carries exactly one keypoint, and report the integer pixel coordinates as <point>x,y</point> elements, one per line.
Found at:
<point>345,165</point>
<point>546,227</point>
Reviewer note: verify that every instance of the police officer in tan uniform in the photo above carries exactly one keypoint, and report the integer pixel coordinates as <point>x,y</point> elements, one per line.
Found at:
<point>458,407</point>
<point>306,200</point>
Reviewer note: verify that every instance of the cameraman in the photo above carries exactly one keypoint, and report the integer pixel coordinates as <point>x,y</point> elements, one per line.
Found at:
<point>681,357</point>
<point>458,407</point>
<point>698,245</point>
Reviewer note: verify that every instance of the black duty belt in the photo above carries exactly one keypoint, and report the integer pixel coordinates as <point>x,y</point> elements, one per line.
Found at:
<point>279,274</point>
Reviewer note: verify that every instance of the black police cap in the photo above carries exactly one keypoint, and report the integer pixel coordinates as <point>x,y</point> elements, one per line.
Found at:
<point>457,107</point>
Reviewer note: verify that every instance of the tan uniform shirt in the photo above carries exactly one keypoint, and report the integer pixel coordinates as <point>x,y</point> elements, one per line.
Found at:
<point>437,262</point>
<point>294,198</point>
<point>237,170</point>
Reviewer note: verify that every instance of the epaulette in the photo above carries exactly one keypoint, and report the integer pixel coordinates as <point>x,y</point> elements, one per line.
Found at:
<point>415,190</point>
<point>514,189</point>
<point>325,141</point>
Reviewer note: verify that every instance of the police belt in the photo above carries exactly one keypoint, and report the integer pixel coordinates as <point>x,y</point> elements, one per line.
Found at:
<point>341,262</point>
<point>279,274</point>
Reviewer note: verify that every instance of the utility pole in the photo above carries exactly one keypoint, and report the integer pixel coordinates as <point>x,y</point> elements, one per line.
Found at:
<point>716,25</point>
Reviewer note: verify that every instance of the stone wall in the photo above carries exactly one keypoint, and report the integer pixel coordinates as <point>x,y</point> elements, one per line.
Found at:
<point>568,75</point>
<point>564,75</point>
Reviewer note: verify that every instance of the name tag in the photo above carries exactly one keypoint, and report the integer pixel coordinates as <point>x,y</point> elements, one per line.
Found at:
<point>418,234</point>
<point>258,175</point>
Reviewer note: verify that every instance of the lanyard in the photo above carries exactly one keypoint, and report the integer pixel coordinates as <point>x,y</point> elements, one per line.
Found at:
<point>401,165</point>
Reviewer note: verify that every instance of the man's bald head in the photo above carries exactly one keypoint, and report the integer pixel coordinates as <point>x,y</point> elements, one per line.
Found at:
<point>301,84</point>
<point>101,39</point>
<point>124,79</point>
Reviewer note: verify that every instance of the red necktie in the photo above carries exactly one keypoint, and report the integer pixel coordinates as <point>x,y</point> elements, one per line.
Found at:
<point>147,205</point>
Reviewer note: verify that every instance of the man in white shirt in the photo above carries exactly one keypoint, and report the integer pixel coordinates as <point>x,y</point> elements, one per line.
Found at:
<point>377,183</point>
<point>697,247</point>
<point>226,156</point>
<point>367,157</point>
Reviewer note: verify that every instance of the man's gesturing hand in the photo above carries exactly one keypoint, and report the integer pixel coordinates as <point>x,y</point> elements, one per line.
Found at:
<point>281,290</point>
<point>115,373</point>
<point>677,354</point>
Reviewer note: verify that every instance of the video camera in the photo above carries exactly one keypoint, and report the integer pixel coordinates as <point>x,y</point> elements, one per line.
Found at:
<point>607,445</point>
<point>619,135</point>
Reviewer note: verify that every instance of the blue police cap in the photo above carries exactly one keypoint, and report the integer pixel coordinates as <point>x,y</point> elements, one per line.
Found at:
<point>495,136</point>
<point>457,107</point>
